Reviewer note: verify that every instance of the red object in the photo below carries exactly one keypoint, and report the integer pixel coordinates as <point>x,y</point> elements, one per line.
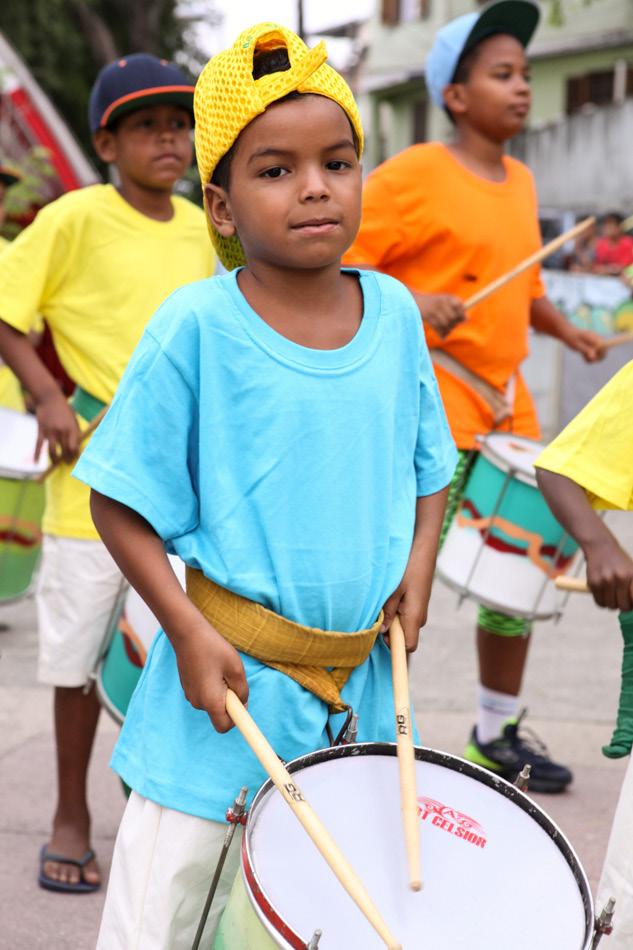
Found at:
<point>615,253</point>
<point>29,118</point>
<point>48,355</point>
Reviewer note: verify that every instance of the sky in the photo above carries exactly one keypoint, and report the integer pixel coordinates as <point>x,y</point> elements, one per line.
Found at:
<point>317,14</point>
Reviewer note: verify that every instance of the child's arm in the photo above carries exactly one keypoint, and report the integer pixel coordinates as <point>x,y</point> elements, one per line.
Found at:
<point>55,418</point>
<point>545,318</point>
<point>609,568</point>
<point>411,598</point>
<point>207,664</point>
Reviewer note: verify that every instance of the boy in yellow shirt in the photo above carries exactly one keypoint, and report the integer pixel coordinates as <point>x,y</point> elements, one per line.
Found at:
<point>10,392</point>
<point>590,466</point>
<point>96,264</point>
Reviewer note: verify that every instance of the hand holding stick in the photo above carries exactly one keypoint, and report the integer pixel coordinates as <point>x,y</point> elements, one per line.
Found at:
<point>82,438</point>
<point>406,753</point>
<point>293,796</point>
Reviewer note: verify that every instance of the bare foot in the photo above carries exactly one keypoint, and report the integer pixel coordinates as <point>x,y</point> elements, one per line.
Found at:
<point>71,841</point>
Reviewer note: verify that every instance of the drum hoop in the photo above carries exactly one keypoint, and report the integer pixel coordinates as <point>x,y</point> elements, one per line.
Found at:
<point>103,697</point>
<point>488,452</point>
<point>423,754</point>
<point>19,475</point>
<point>466,592</point>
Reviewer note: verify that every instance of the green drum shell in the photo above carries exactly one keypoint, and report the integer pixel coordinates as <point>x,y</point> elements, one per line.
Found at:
<point>21,511</point>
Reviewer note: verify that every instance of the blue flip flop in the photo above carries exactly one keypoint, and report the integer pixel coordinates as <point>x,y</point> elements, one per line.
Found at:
<point>65,887</point>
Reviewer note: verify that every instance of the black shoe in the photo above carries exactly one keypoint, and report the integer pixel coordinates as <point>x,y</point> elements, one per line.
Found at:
<point>507,755</point>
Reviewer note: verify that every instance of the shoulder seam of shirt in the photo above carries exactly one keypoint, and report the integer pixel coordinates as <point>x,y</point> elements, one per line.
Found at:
<point>171,362</point>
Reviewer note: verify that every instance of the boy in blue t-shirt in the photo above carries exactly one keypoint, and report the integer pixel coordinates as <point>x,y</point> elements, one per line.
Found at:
<point>280,430</point>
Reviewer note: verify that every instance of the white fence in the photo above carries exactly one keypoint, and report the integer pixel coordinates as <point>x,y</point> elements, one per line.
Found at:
<point>583,162</point>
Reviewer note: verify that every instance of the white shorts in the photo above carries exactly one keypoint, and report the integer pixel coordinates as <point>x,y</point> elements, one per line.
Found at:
<point>79,593</point>
<point>617,874</point>
<point>162,868</point>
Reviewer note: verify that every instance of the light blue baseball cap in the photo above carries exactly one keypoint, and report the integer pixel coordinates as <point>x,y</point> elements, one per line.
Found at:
<point>518,18</point>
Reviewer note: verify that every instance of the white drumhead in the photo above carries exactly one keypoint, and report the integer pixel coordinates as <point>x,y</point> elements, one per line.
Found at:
<point>18,435</point>
<point>139,617</point>
<point>513,451</point>
<point>493,877</point>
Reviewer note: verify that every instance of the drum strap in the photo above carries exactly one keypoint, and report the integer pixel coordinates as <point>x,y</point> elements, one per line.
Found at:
<point>85,405</point>
<point>500,403</point>
<point>319,660</point>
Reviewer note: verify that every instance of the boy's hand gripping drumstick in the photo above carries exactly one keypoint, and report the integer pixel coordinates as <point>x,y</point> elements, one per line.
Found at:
<point>293,796</point>
<point>82,438</point>
<point>406,753</point>
<point>528,262</point>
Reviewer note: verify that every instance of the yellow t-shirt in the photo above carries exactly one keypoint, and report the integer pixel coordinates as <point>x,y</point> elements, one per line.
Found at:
<point>10,389</point>
<point>97,269</point>
<point>596,448</point>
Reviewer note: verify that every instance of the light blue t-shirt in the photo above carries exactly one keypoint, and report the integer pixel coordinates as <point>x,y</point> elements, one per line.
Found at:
<point>286,474</point>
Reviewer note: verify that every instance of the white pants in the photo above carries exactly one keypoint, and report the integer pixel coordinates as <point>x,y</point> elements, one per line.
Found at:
<point>162,867</point>
<point>617,874</point>
<point>79,593</point>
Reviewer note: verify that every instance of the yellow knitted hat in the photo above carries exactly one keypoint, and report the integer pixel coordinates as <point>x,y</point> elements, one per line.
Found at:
<point>227,99</point>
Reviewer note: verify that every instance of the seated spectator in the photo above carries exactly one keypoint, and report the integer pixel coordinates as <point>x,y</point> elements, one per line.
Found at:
<point>614,248</point>
<point>583,255</point>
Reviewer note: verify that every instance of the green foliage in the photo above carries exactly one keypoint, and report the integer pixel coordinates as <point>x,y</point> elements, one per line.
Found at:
<point>28,193</point>
<point>66,42</point>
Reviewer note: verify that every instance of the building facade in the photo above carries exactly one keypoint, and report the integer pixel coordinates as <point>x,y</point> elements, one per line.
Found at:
<point>582,55</point>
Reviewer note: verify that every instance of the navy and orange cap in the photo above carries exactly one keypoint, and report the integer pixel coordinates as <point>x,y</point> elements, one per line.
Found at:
<point>134,82</point>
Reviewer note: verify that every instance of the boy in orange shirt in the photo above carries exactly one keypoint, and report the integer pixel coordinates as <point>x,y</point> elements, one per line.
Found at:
<point>446,220</point>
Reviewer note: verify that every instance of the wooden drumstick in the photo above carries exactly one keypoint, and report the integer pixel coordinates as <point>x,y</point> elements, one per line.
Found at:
<point>406,752</point>
<point>571,584</point>
<point>82,438</point>
<point>312,824</point>
<point>535,258</point>
<point>616,340</point>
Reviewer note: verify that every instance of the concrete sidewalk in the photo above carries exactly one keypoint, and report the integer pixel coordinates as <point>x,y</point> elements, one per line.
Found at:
<point>571,691</point>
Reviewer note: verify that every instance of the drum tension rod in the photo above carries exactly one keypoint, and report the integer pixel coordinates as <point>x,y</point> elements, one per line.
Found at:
<point>314,943</point>
<point>604,923</point>
<point>236,815</point>
<point>523,778</point>
<point>351,733</point>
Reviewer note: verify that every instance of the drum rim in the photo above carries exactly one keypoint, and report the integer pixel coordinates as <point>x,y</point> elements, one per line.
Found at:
<point>257,894</point>
<point>503,608</point>
<point>21,475</point>
<point>489,453</point>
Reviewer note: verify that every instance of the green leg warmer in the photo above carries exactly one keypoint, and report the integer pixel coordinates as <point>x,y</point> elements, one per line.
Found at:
<point>622,738</point>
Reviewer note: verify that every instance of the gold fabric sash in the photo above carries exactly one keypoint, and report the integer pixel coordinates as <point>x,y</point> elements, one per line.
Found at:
<point>319,660</point>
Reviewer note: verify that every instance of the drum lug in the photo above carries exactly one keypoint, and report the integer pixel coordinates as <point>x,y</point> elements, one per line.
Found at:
<point>604,923</point>
<point>351,734</point>
<point>235,815</point>
<point>523,778</point>
<point>314,943</point>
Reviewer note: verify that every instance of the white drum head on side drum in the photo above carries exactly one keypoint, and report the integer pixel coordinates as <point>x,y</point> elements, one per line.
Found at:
<point>498,874</point>
<point>17,446</point>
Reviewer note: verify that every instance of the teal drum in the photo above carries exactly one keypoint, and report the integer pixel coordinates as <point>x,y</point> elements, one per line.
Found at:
<point>505,548</point>
<point>120,667</point>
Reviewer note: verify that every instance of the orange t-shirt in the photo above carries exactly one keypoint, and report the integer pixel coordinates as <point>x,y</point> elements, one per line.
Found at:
<point>439,228</point>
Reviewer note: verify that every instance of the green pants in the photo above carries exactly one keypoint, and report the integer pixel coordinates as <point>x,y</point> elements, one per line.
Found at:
<point>491,620</point>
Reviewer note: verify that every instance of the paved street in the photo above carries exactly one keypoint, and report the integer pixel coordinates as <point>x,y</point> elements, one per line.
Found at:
<point>571,692</point>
